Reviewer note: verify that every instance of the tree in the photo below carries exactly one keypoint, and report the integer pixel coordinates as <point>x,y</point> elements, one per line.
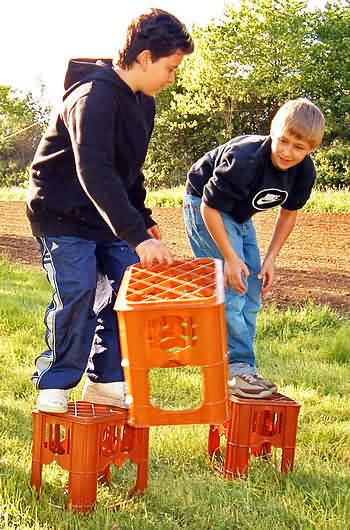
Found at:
<point>252,61</point>
<point>179,138</point>
<point>23,115</point>
<point>329,67</point>
<point>245,66</point>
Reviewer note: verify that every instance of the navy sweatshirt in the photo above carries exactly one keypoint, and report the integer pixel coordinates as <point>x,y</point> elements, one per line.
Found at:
<point>86,178</point>
<point>239,178</point>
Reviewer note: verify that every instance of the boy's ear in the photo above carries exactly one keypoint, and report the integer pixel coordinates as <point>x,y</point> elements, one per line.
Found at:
<point>144,58</point>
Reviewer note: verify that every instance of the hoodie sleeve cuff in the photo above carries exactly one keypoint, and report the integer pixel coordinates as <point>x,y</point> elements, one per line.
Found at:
<point>149,222</point>
<point>136,238</point>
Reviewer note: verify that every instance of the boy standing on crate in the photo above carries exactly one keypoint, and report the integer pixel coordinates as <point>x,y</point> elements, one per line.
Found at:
<point>224,189</point>
<point>86,206</point>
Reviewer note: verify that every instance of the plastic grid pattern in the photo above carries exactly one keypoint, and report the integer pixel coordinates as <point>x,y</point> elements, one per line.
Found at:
<point>174,316</point>
<point>84,409</point>
<point>182,281</point>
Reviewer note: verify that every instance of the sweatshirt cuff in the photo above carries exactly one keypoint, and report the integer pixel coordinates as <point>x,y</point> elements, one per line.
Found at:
<point>136,238</point>
<point>149,221</point>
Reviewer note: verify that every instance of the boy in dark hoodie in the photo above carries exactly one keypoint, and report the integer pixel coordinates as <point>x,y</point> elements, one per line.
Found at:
<point>225,188</point>
<point>86,206</point>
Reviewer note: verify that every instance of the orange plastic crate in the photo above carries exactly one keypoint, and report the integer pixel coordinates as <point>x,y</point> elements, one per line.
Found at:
<point>254,427</point>
<point>173,316</point>
<point>85,441</point>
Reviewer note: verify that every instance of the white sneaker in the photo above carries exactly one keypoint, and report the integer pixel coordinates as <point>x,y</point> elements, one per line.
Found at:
<point>114,394</point>
<point>52,400</point>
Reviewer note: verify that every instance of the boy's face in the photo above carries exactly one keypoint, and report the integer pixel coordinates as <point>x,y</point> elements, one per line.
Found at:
<point>159,74</point>
<point>287,150</point>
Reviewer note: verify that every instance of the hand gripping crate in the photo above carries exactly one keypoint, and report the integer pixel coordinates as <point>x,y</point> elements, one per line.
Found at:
<point>173,316</point>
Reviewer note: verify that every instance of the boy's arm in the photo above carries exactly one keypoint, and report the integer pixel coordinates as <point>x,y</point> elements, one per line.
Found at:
<point>91,134</point>
<point>234,267</point>
<point>284,225</point>
<point>137,197</point>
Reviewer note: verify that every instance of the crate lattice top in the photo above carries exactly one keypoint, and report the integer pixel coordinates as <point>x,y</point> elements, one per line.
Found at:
<point>188,280</point>
<point>83,409</point>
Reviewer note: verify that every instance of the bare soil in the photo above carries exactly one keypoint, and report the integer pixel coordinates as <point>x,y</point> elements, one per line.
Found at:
<point>313,265</point>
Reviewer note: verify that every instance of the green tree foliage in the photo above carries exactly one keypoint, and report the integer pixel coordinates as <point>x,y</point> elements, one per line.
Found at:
<point>329,67</point>
<point>333,166</point>
<point>250,62</point>
<point>27,117</point>
<point>260,54</point>
<point>178,139</point>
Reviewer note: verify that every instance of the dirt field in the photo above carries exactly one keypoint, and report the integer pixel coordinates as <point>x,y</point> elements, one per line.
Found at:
<point>314,263</point>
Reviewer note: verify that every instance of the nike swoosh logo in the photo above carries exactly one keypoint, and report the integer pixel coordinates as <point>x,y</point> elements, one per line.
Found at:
<point>268,199</point>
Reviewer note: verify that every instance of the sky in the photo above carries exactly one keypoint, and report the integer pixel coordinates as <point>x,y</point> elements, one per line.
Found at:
<point>38,37</point>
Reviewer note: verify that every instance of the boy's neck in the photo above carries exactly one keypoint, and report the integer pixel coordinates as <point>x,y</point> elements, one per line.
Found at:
<point>129,77</point>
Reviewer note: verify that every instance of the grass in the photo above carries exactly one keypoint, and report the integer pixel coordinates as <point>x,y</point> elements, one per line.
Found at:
<point>335,201</point>
<point>166,198</point>
<point>161,198</point>
<point>328,201</point>
<point>305,350</point>
<point>13,194</point>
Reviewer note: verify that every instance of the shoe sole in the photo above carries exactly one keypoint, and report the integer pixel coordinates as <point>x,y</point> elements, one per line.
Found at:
<point>261,395</point>
<point>57,410</point>
<point>273,388</point>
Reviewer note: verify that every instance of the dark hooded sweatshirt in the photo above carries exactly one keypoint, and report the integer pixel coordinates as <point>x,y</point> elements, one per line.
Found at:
<point>86,179</point>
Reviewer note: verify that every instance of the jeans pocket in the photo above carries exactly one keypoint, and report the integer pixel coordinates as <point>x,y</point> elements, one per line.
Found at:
<point>198,219</point>
<point>193,219</point>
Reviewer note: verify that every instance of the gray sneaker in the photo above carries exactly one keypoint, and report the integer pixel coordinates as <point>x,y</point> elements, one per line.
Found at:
<point>115,394</point>
<point>247,385</point>
<point>266,383</point>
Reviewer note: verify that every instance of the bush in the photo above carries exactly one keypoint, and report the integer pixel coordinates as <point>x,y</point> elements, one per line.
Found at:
<point>12,177</point>
<point>333,166</point>
<point>163,175</point>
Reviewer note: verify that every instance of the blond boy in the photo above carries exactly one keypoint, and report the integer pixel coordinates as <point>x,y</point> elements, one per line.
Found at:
<point>224,189</point>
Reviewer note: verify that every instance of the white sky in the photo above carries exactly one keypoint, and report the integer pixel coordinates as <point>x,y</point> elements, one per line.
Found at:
<point>37,37</point>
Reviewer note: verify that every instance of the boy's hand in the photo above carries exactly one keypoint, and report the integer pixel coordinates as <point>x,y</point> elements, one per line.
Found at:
<point>234,271</point>
<point>153,251</point>
<point>267,275</point>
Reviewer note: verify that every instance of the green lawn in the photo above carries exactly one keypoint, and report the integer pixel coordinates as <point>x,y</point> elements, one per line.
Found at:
<point>305,351</point>
<point>336,201</point>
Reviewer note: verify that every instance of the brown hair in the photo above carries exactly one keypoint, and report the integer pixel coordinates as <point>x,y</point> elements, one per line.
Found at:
<point>302,118</point>
<point>157,31</point>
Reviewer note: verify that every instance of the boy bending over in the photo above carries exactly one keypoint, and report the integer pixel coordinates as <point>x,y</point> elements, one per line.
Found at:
<point>224,189</point>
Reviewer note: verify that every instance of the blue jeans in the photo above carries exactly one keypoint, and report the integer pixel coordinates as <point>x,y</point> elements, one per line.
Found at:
<point>81,325</point>
<point>240,309</point>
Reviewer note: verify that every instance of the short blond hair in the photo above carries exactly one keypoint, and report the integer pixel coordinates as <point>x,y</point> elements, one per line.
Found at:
<point>302,118</point>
